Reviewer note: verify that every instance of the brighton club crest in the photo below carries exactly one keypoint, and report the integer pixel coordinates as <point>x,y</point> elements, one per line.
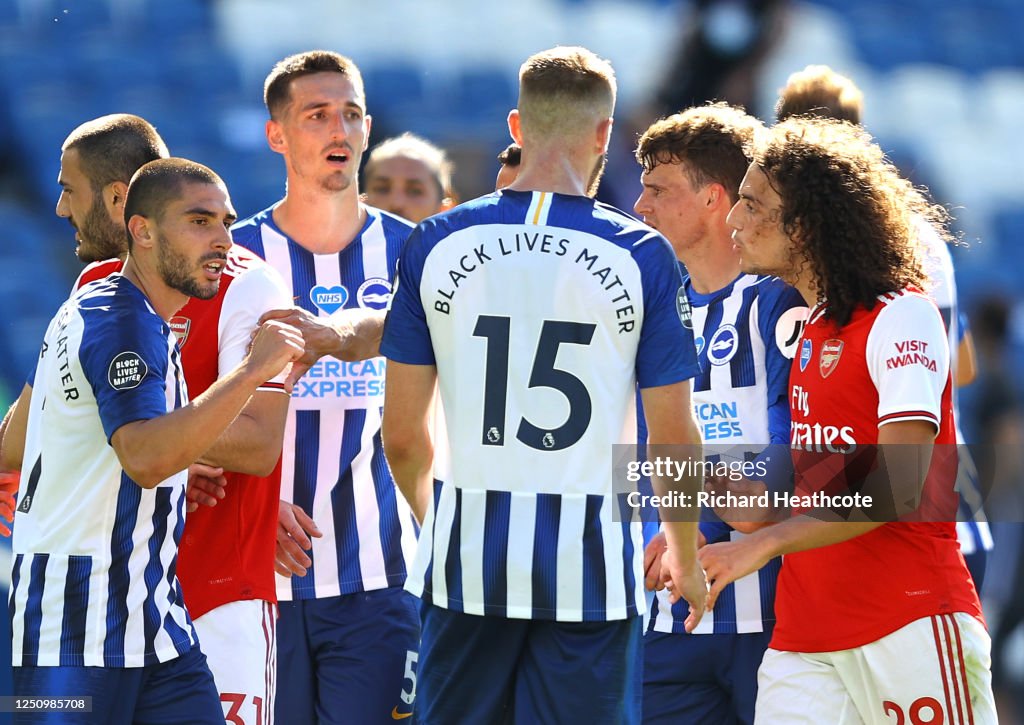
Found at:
<point>831,350</point>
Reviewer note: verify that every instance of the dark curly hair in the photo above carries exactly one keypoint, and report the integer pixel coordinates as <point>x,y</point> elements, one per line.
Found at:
<point>854,218</point>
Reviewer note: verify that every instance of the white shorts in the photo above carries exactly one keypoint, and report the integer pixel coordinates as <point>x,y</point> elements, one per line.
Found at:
<point>934,670</point>
<point>239,640</point>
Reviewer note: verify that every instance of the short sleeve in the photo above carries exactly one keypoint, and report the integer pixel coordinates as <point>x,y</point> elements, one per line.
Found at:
<point>908,360</point>
<point>254,291</point>
<point>406,336</point>
<point>124,357</point>
<point>666,353</point>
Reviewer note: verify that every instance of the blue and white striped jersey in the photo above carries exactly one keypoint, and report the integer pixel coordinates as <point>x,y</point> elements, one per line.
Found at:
<point>542,312</point>
<point>332,464</point>
<point>746,335</point>
<point>93,581</point>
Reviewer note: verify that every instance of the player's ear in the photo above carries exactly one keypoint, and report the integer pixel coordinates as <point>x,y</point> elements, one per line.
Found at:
<point>604,134</point>
<point>275,137</point>
<point>367,125</point>
<point>114,195</point>
<point>140,229</point>
<point>515,128</point>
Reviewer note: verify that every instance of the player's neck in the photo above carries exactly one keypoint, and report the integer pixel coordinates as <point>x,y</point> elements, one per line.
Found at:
<point>165,300</point>
<point>321,222</point>
<point>712,264</point>
<point>804,284</point>
<point>552,170</point>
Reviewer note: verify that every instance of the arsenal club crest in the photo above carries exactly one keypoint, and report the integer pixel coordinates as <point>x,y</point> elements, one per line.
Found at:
<point>831,350</point>
<point>180,327</point>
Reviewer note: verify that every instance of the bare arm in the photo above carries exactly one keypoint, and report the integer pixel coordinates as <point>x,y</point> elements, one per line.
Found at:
<point>728,561</point>
<point>152,450</point>
<point>670,422</point>
<point>408,392</point>
<point>252,443</point>
<point>12,431</point>
<point>347,335</point>
<point>967,361</point>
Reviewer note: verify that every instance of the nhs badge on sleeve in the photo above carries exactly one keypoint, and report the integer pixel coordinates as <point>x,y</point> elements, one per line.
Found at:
<point>329,299</point>
<point>805,354</point>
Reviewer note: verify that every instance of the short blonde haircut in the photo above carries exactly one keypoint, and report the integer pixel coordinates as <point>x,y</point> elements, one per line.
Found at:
<point>564,90</point>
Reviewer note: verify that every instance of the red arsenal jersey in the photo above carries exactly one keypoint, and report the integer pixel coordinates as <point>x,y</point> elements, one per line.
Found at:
<point>227,552</point>
<point>889,363</point>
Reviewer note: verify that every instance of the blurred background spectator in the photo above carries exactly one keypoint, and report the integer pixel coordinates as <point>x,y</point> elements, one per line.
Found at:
<point>943,82</point>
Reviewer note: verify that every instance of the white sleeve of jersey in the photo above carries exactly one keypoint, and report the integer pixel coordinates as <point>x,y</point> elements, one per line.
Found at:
<point>938,265</point>
<point>256,290</point>
<point>908,360</point>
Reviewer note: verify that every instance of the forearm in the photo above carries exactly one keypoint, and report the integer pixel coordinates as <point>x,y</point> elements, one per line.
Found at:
<point>413,473</point>
<point>801,533</point>
<point>252,443</point>
<point>12,432</point>
<point>357,335</point>
<point>152,450</point>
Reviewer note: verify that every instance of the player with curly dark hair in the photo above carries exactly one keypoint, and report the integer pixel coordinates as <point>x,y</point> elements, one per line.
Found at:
<point>876,616</point>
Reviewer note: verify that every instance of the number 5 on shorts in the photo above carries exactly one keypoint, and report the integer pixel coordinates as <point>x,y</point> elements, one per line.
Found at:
<point>410,674</point>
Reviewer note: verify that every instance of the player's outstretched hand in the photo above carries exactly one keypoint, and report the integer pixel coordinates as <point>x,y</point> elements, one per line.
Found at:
<point>652,561</point>
<point>728,561</point>
<point>9,482</point>
<point>294,527</point>
<point>206,486</point>
<point>274,346</point>
<point>685,582</point>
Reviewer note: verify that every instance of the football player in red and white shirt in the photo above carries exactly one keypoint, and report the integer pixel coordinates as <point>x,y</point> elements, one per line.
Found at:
<point>876,621</point>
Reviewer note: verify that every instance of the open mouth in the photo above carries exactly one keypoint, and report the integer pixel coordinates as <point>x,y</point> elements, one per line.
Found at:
<point>338,157</point>
<point>213,269</point>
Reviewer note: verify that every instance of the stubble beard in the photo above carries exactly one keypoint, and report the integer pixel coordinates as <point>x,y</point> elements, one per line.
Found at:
<point>174,271</point>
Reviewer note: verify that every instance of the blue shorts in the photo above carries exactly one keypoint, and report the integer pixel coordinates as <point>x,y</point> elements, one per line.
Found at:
<point>493,670</point>
<point>178,691</point>
<point>701,678</point>
<point>348,659</point>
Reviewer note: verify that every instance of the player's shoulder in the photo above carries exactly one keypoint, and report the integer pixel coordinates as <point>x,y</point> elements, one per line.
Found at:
<point>98,270</point>
<point>774,292</point>
<point>113,303</point>
<point>250,228</point>
<point>392,223</point>
<point>909,302</point>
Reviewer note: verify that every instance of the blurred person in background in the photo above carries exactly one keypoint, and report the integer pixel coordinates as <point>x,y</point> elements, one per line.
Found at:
<point>408,176</point>
<point>996,415</point>
<point>509,159</point>
<point>819,91</point>
<point>348,633</point>
<point>746,329</point>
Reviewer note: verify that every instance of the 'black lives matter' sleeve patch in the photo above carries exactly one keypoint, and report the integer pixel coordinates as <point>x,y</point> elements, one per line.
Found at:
<point>126,371</point>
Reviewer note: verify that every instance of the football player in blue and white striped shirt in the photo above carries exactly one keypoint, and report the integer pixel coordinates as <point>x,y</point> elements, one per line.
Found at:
<point>348,632</point>
<point>537,311</point>
<point>745,328</point>
<point>96,607</point>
